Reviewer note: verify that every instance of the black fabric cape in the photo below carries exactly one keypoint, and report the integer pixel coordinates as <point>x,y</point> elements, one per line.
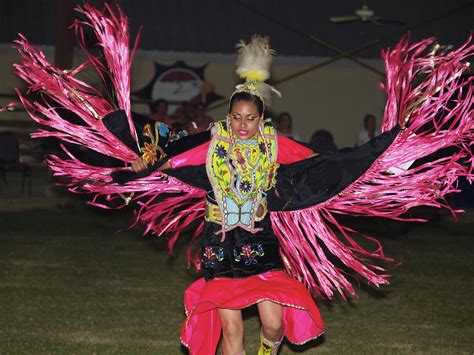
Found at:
<point>299,185</point>
<point>310,181</point>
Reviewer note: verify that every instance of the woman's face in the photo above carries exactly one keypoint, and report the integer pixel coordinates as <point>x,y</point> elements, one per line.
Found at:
<point>244,119</point>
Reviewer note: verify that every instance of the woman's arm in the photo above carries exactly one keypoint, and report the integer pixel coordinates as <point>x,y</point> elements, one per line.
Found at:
<point>194,156</point>
<point>140,164</point>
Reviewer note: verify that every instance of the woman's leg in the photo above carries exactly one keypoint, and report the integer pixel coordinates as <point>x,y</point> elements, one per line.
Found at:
<point>271,315</point>
<point>232,331</point>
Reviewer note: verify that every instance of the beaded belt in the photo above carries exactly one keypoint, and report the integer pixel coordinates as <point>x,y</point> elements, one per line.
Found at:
<point>213,213</point>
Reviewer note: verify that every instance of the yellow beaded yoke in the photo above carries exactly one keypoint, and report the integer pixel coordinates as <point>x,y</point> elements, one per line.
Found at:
<point>240,171</point>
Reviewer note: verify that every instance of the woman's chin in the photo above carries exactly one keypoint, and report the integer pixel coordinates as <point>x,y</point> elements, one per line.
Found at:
<point>245,136</point>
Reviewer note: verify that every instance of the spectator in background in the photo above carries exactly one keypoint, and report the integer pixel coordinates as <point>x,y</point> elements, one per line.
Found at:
<point>369,131</point>
<point>323,141</point>
<point>160,112</point>
<point>201,121</point>
<point>284,126</point>
<point>183,116</point>
<point>187,112</point>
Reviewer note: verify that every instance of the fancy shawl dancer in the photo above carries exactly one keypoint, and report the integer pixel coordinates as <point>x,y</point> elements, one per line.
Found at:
<point>266,207</point>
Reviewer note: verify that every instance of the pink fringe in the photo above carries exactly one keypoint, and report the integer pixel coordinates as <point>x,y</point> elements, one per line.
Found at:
<point>63,88</point>
<point>440,116</point>
<point>112,33</point>
<point>160,212</point>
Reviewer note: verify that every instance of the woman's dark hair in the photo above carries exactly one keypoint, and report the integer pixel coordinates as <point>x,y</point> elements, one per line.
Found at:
<point>280,117</point>
<point>245,96</point>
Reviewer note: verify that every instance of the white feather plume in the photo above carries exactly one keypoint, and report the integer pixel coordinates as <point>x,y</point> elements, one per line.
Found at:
<point>254,58</point>
<point>266,91</point>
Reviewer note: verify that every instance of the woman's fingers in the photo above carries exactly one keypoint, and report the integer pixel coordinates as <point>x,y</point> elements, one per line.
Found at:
<point>135,166</point>
<point>139,165</point>
<point>165,166</point>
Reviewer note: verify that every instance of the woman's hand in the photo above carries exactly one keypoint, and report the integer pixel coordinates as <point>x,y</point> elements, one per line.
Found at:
<point>165,166</point>
<point>139,165</point>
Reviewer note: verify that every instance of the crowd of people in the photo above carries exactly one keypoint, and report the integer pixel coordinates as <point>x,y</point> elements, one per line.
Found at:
<point>189,116</point>
<point>322,139</point>
<point>194,119</point>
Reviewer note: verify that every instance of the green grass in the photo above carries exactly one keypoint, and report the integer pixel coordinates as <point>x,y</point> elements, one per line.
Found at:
<point>68,284</point>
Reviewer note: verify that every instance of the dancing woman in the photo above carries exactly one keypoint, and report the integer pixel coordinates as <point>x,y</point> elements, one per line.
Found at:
<point>266,206</point>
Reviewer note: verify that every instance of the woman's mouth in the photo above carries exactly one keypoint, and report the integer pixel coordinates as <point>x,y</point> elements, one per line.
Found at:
<point>243,133</point>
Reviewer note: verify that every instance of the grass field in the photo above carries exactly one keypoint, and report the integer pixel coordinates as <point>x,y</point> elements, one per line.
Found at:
<point>68,284</point>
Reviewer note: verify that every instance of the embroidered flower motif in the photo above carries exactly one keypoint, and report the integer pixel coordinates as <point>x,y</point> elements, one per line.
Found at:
<point>247,250</point>
<point>262,147</point>
<point>240,159</point>
<point>152,150</point>
<point>245,186</point>
<point>178,135</point>
<point>211,255</point>
<point>248,253</point>
<point>149,153</point>
<point>147,130</point>
<point>208,252</point>
<point>220,151</point>
<point>163,129</point>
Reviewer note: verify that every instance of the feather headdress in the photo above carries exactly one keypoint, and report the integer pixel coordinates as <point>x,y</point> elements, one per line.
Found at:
<point>253,65</point>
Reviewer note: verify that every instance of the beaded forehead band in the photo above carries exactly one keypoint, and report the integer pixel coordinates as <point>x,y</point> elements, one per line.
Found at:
<point>248,86</point>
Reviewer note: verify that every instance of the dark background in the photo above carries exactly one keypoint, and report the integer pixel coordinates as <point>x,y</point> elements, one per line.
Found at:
<point>214,26</point>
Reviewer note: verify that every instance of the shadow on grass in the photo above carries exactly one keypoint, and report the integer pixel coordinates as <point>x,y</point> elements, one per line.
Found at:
<point>307,346</point>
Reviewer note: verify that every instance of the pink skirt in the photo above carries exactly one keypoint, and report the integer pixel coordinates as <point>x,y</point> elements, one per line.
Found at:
<point>202,328</point>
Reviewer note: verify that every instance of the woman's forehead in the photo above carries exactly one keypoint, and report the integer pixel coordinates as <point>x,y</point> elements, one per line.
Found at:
<point>244,107</point>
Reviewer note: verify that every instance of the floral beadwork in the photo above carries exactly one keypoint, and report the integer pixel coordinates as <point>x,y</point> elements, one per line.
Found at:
<point>211,255</point>
<point>221,152</point>
<point>239,172</point>
<point>245,186</point>
<point>248,253</point>
<point>240,159</point>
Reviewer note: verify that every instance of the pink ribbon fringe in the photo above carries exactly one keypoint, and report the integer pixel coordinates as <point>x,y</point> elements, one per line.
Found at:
<point>428,95</point>
<point>158,210</point>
